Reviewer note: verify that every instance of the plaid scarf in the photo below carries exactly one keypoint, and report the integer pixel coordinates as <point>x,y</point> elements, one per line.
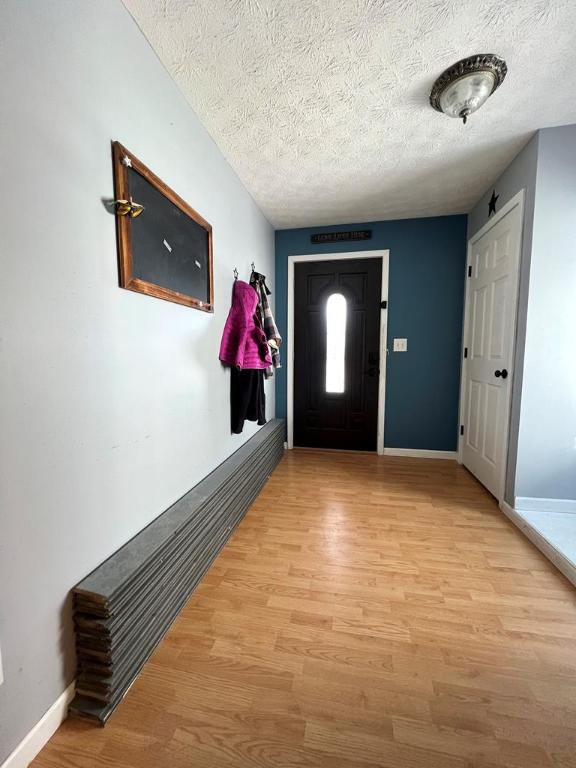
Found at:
<point>258,282</point>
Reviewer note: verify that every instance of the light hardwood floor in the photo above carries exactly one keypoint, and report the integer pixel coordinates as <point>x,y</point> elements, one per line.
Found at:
<point>367,612</point>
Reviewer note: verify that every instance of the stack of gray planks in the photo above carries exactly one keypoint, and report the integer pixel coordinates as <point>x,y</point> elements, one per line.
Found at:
<point>124,607</point>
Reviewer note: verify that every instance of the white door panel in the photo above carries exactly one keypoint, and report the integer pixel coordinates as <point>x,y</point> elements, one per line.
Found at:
<point>491,311</point>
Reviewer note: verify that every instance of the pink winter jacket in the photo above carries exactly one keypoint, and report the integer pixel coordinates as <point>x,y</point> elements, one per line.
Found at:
<point>243,342</point>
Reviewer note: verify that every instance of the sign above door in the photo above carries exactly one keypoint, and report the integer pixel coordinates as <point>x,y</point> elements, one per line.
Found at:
<point>338,237</point>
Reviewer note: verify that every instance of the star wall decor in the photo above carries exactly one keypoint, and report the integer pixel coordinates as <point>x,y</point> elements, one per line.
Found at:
<point>492,203</point>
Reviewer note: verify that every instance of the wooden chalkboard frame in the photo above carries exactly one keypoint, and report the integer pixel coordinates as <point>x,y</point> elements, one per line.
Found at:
<point>124,233</point>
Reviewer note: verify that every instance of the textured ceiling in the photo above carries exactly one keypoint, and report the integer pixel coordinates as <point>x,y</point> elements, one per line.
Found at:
<point>321,106</point>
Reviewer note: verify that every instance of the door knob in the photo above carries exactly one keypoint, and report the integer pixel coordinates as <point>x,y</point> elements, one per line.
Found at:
<point>373,364</point>
<point>503,373</point>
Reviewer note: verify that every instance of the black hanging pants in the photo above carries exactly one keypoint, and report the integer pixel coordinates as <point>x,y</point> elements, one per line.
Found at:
<point>247,398</point>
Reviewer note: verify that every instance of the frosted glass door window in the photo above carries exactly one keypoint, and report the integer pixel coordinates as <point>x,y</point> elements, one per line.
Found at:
<point>335,342</point>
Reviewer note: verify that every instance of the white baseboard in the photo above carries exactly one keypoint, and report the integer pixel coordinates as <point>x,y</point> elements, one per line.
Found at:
<point>44,729</point>
<point>527,504</point>
<point>417,453</point>
<point>564,565</point>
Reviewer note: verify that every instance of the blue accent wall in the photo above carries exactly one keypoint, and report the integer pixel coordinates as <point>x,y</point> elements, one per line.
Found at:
<point>425,305</point>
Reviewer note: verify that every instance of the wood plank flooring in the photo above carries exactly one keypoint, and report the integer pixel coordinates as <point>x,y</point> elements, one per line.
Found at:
<point>367,612</point>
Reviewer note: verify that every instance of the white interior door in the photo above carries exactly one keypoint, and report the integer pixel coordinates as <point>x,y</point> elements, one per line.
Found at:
<point>490,327</point>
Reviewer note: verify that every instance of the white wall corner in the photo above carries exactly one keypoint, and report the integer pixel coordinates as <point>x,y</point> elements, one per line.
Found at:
<point>529,504</point>
<point>41,733</point>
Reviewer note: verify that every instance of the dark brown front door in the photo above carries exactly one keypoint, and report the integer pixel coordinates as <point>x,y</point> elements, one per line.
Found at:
<point>336,353</point>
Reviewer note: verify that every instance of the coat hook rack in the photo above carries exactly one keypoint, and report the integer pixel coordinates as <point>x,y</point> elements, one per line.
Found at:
<point>235,273</point>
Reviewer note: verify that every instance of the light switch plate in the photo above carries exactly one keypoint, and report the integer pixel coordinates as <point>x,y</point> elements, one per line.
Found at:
<point>400,345</point>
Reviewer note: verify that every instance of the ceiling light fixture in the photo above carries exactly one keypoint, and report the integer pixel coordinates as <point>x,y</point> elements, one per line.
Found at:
<point>465,86</point>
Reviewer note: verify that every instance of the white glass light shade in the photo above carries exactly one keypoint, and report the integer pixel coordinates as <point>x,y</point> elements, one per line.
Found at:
<point>467,94</point>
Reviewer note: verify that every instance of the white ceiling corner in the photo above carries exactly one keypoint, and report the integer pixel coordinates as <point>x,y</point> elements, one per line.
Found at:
<point>321,106</point>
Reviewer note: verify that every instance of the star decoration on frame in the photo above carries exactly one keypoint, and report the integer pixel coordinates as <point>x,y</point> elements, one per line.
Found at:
<point>492,203</point>
<point>126,161</point>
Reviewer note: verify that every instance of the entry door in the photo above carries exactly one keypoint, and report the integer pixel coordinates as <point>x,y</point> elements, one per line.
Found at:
<point>491,311</point>
<point>336,353</point>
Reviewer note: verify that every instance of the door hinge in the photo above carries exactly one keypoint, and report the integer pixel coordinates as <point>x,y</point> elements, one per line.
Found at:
<point>465,351</point>
<point>383,304</point>
<point>470,271</point>
<point>461,429</point>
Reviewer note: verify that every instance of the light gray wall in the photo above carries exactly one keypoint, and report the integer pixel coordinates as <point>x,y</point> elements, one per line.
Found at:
<point>546,464</point>
<point>520,174</point>
<point>112,404</point>
<point>542,449</point>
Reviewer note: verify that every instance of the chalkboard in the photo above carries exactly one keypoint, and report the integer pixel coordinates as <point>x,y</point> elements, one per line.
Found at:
<point>164,245</point>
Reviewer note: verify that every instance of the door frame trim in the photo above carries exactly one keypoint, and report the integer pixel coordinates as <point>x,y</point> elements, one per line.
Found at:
<point>383,254</point>
<point>516,200</point>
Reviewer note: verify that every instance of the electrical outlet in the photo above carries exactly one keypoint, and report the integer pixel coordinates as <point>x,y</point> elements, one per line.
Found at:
<point>400,345</point>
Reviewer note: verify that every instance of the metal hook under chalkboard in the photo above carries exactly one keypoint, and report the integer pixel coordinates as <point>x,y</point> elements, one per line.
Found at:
<point>235,274</point>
